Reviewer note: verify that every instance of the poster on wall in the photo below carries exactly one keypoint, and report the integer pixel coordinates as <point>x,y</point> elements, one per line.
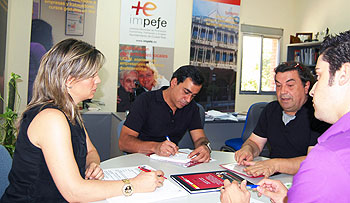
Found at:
<point>214,46</point>
<point>54,21</point>
<point>146,48</point>
<point>75,18</point>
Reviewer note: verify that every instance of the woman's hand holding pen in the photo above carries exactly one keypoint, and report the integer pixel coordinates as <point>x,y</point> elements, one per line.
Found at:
<point>93,172</point>
<point>153,179</point>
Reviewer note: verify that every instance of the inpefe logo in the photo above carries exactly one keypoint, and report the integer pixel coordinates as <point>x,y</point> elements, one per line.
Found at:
<point>145,22</point>
<point>144,8</point>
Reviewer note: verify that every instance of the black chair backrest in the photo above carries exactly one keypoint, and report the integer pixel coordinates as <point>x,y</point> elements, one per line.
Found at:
<point>201,113</point>
<point>186,141</point>
<point>252,119</point>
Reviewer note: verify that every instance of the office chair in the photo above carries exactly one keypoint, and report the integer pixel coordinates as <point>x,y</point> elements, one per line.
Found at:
<point>252,119</point>
<point>5,166</point>
<point>119,129</point>
<point>186,141</point>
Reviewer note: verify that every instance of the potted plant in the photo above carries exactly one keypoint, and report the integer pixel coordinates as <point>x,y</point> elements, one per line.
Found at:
<point>8,130</point>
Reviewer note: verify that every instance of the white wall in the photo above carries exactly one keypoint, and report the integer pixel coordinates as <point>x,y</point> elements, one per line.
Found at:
<point>291,15</point>
<point>57,19</point>
<point>17,45</point>
<point>268,13</point>
<point>317,15</point>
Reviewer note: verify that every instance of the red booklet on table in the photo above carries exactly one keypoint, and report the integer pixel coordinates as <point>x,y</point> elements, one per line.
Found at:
<point>205,181</point>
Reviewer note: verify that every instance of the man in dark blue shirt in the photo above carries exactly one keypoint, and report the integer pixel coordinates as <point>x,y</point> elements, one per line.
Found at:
<point>158,119</point>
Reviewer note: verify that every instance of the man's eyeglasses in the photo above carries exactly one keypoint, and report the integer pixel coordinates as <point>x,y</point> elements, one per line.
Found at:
<point>293,64</point>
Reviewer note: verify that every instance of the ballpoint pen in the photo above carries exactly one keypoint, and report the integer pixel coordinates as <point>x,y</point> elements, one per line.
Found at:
<point>248,187</point>
<point>167,138</point>
<point>147,170</point>
<point>252,186</point>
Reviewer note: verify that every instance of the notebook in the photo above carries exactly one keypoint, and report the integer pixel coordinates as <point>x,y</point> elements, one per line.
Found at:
<point>205,181</point>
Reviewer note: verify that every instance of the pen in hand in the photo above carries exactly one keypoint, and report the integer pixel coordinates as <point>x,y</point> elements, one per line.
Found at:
<point>248,187</point>
<point>147,170</point>
<point>176,149</point>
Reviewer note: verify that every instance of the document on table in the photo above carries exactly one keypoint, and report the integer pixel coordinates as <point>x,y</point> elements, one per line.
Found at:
<point>180,158</point>
<point>168,191</point>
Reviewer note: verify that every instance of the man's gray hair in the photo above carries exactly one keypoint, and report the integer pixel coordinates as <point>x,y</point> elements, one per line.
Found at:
<point>123,73</point>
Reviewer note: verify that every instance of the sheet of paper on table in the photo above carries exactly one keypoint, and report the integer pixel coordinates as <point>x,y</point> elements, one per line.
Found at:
<point>180,158</point>
<point>168,191</point>
<point>238,169</point>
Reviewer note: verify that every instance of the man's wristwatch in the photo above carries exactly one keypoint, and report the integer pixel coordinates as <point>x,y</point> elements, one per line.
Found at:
<point>127,189</point>
<point>208,145</point>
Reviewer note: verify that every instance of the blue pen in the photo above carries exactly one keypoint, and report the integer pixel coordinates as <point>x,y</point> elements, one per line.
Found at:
<point>248,186</point>
<point>252,186</point>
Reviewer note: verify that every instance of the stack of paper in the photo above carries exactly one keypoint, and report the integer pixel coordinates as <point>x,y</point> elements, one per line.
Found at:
<point>180,158</point>
<point>217,115</point>
<point>168,191</point>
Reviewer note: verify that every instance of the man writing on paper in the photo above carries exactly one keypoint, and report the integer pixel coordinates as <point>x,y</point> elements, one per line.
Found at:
<point>324,175</point>
<point>170,112</point>
<point>288,125</point>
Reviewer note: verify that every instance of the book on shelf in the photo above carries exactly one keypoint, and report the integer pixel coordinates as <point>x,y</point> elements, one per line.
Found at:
<point>205,181</point>
<point>306,56</point>
<point>168,191</point>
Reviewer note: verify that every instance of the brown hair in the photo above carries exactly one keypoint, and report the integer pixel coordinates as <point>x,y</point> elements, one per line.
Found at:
<point>68,58</point>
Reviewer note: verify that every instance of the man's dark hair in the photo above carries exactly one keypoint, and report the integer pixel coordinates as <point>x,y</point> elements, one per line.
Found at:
<point>335,50</point>
<point>303,71</point>
<point>188,71</point>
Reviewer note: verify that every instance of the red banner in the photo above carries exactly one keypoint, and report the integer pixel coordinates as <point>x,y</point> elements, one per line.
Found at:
<point>234,2</point>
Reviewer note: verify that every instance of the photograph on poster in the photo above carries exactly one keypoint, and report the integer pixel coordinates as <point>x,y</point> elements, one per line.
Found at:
<point>214,49</point>
<point>146,48</point>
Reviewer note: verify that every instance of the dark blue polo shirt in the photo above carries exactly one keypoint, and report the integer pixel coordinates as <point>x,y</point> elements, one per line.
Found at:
<point>293,139</point>
<point>153,119</point>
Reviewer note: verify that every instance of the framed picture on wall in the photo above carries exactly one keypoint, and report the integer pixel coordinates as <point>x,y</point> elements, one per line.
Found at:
<point>75,18</point>
<point>304,37</point>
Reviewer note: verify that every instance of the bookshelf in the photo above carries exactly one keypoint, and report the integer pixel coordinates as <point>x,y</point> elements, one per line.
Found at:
<point>305,53</point>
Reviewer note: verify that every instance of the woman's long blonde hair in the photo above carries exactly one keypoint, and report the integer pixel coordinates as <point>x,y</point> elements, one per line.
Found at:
<point>68,58</point>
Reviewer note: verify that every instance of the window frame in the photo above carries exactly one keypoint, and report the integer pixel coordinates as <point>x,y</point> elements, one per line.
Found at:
<point>262,32</point>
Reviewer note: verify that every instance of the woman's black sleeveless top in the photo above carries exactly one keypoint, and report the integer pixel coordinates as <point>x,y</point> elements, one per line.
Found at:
<point>30,179</point>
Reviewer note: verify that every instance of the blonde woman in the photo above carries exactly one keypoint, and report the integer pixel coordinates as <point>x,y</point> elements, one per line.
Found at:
<point>54,160</point>
<point>149,77</point>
